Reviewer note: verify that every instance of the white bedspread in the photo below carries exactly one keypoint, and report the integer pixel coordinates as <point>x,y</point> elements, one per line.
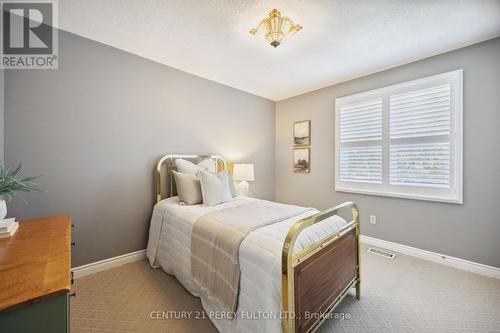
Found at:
<point>259,301</point>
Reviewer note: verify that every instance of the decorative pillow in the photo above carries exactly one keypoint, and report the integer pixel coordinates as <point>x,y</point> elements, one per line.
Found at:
<point>189,167</point>
<point>188,188</point>
<point>215,188</point>
<point>232,188</point>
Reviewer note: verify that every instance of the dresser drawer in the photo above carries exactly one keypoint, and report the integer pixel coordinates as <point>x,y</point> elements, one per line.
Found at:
<point>51,315</point>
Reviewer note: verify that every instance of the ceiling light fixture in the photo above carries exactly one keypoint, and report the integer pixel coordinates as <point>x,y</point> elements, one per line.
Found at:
<point>276,28</point>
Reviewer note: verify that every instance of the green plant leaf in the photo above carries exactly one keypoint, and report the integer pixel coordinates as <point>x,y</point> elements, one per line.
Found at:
<point>10,185</point>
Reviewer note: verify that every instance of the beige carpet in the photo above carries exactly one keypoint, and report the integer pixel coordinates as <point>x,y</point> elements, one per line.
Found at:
<point>400,295</point>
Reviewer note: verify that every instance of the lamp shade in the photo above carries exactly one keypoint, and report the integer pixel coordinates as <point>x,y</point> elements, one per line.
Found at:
<point>243,172</point>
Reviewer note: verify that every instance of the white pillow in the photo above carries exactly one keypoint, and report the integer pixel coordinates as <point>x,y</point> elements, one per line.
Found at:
<point>188,188</point>
<point>232,187</point>
<point>215,188</point>
<point>189,167</point>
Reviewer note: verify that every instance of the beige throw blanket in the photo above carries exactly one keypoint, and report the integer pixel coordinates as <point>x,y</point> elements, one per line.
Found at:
<point>215,244</point>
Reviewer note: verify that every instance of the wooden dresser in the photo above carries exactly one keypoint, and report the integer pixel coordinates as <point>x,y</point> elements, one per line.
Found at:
<point>35,276</point>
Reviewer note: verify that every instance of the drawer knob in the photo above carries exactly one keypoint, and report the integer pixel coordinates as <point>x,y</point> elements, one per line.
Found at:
<point>73,294</point>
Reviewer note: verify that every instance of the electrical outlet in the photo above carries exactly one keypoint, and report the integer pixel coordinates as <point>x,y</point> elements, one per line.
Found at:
<point>373,219</point>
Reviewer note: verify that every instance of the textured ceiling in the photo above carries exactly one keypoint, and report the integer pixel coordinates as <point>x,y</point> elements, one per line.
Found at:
<point>341,39</point>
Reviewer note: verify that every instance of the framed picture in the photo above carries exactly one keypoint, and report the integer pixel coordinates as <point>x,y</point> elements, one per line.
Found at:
<point>302,133</point>
<point>301,160</point>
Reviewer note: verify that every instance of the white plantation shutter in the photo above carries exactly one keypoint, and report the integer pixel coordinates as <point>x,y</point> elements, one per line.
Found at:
<point>425,164</point>
<point>423,112</point>
<point>361,127</point>
<point>404,140</point>
<point>362,164</point>
<point>361,121</point>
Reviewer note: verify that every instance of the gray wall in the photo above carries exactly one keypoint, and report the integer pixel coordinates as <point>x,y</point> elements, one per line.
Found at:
<point>469,231</point>
<point>95,128</point>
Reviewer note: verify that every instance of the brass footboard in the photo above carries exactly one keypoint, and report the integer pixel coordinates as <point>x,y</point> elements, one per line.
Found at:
<point>316,279</point>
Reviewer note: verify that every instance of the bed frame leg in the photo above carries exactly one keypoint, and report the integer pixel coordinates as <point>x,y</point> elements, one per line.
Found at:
<point>358,290</point>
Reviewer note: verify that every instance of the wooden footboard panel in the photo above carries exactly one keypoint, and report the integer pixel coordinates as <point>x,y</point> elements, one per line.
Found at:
<point>316,279</point>
<point>321,279</point>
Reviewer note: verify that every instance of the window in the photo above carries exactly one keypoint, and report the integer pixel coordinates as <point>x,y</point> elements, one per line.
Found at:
<point>403,140</point>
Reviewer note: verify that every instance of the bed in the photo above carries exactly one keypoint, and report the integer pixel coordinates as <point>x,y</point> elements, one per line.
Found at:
<point>293,272</point>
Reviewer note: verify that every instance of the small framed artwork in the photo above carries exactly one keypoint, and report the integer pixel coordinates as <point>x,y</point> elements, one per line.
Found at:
<point>301,160</point>
<point>302,133</point>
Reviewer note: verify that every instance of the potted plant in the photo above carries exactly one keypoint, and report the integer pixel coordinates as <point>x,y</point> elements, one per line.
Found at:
<point>10,185</point>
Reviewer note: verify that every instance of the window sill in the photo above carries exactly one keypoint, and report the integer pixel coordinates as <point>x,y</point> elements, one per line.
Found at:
<point>453,200</point>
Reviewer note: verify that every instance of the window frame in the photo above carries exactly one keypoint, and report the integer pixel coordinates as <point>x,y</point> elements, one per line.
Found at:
<point>454,194</point>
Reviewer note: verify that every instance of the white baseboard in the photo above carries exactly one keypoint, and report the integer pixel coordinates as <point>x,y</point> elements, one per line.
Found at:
<point>462,264</point>
<point>102,265</point>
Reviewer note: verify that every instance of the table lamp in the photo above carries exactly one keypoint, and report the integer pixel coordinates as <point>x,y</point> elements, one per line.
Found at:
<point>243,173</point>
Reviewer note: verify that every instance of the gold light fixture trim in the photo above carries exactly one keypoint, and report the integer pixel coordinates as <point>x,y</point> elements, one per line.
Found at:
<point>276,28</point>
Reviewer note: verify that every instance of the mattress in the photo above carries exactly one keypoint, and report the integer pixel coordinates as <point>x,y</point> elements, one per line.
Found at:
<point>259,300</point>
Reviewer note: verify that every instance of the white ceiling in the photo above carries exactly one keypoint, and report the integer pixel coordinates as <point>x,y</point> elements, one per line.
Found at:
<point>341,39</point>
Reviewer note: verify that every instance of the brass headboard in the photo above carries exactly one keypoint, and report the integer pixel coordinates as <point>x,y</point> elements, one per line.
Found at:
<point>167,163</point>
